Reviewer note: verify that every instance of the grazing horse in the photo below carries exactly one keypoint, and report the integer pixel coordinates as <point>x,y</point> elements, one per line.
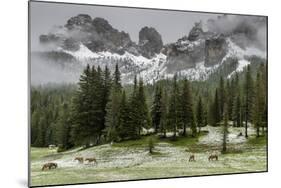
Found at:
<point>49,166</point>
<point>191,158</point>
<point>79,159</point>
<point>90,160</point>
<point>213,157</point>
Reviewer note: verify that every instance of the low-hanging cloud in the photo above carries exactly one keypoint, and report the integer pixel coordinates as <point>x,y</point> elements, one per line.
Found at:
<point>251,28</point>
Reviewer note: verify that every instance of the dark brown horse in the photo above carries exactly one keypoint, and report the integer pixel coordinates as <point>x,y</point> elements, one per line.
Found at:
<point>79,159</point>
<point>191,158</point>
<point>213,157</point>
<point>49,166</point>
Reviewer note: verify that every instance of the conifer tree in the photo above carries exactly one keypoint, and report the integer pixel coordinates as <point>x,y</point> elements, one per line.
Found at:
<point>117,78</point>
<point>258,103</point>
<point>112,106</point>
<point>200,114</point>
<point>98,102</point>
<point>124,130</point>
<point>135,114</point>
<point>216,109</point>
<point>248,90</point>
<point>35,124</point>
<point>64,129</point>
<point>144,118</point>
<point>106,87</point>
<point>185,107</point>
<point>225,128</point>
<point>82,120</point>
<point>222,97</point>
<point>230,93</point>
<point>173,107</point>
<point>236,113</point>
<point>156,108</point>
<point>193,126</point>
<point>40,140</point>
<point>263,94</point>
<point>163,110</point>
<point>205,117</point>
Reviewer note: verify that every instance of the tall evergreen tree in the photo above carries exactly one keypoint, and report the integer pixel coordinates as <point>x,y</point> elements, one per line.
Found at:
<point>88,108</point>
<point>230,95</point>
<point>112,106</point>
<point>237,110</point>
<point>82,120</point>
<point>145,120</point>
<point>117,78</point>
<point>135,112</point>
<point>258,104</point>
<point>124,128</point>
<point>156,108</point>
<point>35,117</point>
<point>64,129</point>
<point>173,108</point>
<point>236,113</point>
<point>98,102</point>
<point>248,90</point>
<point>205,123</point>
<point>185,107</point>
<point>225,128</point>
<point>40,140</point>
<point>163,110</point>
<point>193,126</point>
<point>222,97</point>
<point>263,94</point>
<point>106,87</point>
<point>200,114</point>
<point>216,109</point>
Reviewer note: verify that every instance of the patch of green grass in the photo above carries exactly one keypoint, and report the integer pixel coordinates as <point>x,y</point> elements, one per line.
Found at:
<point>39,153</point>
<point>142,142</point>
<point>179,141</point>
<point>258,141</point>
<point>187,141</point>
<point>249,158</point>
<point>248,161</point>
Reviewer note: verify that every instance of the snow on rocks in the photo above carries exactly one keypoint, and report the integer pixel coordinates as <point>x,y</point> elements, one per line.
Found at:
<point>155,68</point>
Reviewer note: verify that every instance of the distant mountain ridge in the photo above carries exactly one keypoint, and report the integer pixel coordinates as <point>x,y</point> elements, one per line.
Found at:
<point>83,40</point>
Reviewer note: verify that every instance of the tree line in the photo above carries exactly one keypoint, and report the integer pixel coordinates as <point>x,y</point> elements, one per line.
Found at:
<point>100,109</point>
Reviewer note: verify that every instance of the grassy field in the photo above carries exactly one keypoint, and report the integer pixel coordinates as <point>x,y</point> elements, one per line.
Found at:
<point>131,160</point>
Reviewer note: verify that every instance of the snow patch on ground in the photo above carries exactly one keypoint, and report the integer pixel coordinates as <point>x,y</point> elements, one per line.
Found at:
<point>135,162</point>
<point>215,134</point>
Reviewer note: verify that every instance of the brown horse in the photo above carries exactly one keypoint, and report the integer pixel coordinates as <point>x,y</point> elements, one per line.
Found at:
<point>49,166</point>
<point>90,160</point>
<point>213,157</point>
<point>191,158</point>
<point>79,159</point>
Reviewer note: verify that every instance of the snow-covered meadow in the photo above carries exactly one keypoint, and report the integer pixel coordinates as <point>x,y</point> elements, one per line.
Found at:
<point>131,160</point>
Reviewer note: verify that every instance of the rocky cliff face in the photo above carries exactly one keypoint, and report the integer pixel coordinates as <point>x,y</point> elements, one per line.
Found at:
<point>85,40</point>
<point>98,35</point>
<point>196,32</point>
<point>189,50</point>
<point>150,42</point>
<point>215,50</point>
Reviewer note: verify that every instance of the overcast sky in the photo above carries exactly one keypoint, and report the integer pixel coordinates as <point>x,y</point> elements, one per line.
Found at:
<point>172,25</point>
